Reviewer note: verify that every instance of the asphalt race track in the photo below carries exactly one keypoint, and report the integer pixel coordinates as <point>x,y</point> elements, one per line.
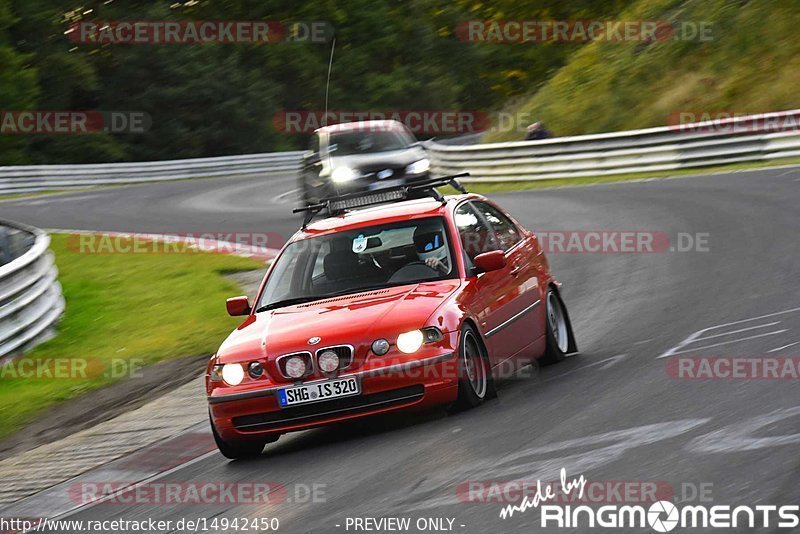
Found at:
<point>611,413</point>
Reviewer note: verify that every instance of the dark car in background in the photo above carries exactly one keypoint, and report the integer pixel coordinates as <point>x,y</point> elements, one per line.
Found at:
<point>361,156</point>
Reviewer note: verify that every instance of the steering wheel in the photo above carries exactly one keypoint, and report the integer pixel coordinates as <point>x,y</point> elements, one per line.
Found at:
<point>413,270</point>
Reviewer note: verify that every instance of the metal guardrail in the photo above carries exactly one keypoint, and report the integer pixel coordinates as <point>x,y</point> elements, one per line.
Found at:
<point>753,138</point>
<point>30,295</point>
<point>32,178</point>
<point>744,139</point>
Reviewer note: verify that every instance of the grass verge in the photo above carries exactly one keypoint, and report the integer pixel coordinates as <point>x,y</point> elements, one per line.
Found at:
<point>123,311</point>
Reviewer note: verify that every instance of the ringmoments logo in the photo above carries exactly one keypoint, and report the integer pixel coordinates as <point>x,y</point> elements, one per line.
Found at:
<point>661,516</point>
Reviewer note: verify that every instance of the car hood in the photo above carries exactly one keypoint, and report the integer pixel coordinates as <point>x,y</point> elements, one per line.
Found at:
<point>379,160</point>
<point>356,320</point>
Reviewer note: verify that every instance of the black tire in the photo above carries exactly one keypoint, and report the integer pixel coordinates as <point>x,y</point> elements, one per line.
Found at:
<point>240,450</point>
<point>474,373</point>
<point>305,193</point>
<point>558,334</point>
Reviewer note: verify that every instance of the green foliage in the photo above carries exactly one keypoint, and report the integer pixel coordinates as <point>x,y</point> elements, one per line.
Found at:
<point>209,100</point>
<point>218,99</point>
<point>750,65</point>
<point>18,86</point>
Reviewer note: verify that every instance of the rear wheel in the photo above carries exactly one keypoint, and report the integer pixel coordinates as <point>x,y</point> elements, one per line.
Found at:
<point>557,330</point>
<point>474,376</point>
<point>237,450</point>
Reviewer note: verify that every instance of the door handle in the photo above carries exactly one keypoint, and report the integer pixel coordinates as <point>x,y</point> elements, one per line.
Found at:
<point>516,270</point>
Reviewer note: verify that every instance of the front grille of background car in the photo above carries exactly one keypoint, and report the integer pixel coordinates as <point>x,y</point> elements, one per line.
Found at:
<point>346,297</point>
<point>327,409</point>
<point>372,171</point>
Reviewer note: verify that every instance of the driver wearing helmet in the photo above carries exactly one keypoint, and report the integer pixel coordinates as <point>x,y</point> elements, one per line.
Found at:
<point>431,247</point>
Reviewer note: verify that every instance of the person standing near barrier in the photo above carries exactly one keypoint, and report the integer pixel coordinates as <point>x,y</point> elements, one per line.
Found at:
<point>537,131</point>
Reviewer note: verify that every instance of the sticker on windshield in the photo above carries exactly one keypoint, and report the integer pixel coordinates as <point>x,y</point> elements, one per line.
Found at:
<point>359,244</point>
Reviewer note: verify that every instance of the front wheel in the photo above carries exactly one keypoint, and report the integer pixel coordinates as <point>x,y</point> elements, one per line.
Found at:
<point>558,331</point>
<point>238,450</point>
<point>474,375</point>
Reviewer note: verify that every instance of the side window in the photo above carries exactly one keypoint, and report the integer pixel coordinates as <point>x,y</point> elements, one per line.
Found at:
<point>289,276</point>
<point>507,233</point>
<point>319,263</point>
<point>476,237</point>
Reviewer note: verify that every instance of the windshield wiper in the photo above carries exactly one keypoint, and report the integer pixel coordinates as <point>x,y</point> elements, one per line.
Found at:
<point>288,302</point>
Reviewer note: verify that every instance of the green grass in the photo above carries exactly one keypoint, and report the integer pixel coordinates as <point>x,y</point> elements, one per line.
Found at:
<point>750,64</point>
<point>133,307</point>
<point>500,187</point>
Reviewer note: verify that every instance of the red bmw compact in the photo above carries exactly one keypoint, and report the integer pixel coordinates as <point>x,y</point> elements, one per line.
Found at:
<point>399,305</point>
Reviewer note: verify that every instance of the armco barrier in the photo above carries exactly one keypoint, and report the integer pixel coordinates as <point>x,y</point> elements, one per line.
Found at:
<point>755,138</point>
<point>31,178</point>
<point>30,295</point>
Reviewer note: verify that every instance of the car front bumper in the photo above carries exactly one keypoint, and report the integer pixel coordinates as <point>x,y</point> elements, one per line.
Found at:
<point>414,384</point>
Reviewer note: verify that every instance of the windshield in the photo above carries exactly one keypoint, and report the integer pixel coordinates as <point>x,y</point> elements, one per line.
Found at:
<point>359,260</point>
<point>367,142</point>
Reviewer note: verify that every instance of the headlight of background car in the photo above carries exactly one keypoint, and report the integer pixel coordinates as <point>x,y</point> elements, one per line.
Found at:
<point>231,373</point>
<point>418,167</point>
<point>410,342</point>
<point>343,174</point>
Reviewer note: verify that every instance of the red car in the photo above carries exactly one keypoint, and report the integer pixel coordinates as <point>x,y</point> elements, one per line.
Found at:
<point>393,307</point>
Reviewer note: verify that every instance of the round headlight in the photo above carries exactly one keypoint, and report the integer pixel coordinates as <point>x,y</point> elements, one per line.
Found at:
<point>380,347</point>
<point>232,374</point>
<point>295,367</point>
<point>343,174</point>
<point>328,361</point>
<point>410,341</point>
<point>255,369</point>
<point>418,167</point>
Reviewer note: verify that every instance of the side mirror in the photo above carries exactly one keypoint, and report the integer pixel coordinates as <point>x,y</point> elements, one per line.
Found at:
<point>238,306</point>
<point>490,261</point>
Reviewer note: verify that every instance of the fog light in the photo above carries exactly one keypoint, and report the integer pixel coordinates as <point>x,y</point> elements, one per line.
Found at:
<point>232,374</point>
<point>432,334</point>
<point>255,369</point>
<point>328,361</point>
<point>380,347</point>
<point>216,373</point>
<point>295,367</point>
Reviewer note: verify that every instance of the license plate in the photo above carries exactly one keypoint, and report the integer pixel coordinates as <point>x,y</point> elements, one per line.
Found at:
<point>318,391</point>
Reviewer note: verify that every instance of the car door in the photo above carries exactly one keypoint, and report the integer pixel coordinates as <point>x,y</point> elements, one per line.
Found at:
<point>525,270</point>
<point>498,292</point>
